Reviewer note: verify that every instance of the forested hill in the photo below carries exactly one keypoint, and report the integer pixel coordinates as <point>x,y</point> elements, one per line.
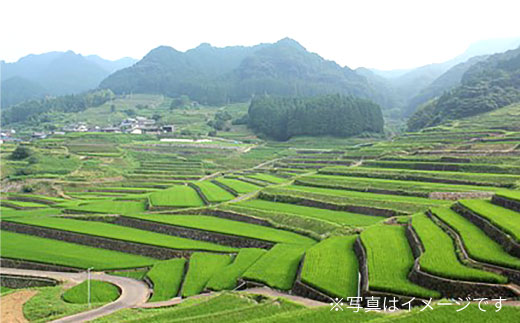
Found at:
<point>485,86</point>
<point>445,82</point>
<point>342,116</point>
<point>219,75</point>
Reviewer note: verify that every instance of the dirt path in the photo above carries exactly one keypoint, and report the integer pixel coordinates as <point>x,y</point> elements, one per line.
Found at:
<point>11,306</point>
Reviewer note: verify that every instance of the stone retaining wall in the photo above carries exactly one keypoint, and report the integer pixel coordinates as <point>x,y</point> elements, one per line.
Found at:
<point>16,282</point>
<point>505,202</point>
<point>450,288</point>
<point>325,205</point>
<point>490,229</point>
<point>98,242</point>
<point>194,234</point>
<point>23,264</point>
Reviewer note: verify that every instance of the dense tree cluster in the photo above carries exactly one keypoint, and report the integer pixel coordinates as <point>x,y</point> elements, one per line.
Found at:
<point>34,109</point>
<point>486,86</point>
<point>281,118</point>
<point>220,121</point>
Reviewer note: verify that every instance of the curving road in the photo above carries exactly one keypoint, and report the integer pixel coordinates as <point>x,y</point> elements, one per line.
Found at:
<point>133,293</point>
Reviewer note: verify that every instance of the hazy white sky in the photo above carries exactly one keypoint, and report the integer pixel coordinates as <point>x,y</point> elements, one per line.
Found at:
<point>381,34</point>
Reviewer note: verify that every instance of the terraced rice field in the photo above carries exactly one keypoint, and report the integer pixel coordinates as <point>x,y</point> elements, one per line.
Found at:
<point>485,179</point>
<point>110,207</point>
<point>226,278</point>
<point>470,167</point>
<point>166,277</point>
<point>213,192</point>
<point>478,245</point>
<point>439,257</point>
<point>389,260</point>
<point>277,268</point>
<point>202,267</point>
<point>22,204</point>
<point>215,224</point>
<point>238,186</point>
<point>512,195</point>
<point>413,188</point>
<point>177,196</point>
<point>503,218</point>
<point>400,204</point>
<point>267,178</point>
<point>339,217</point>
<point>331,266</point>
<point>55,252</point>
<point>112,231</point>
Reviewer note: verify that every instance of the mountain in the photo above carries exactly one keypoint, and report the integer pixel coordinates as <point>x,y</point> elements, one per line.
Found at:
<point>409,85</point>
<point>55,73</point>
<point>487,85</point>
<point>218,75</point>
<point>17,89</point>
<point>446,81</point>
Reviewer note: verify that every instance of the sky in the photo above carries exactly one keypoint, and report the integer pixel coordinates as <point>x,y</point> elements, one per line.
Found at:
<point>391,34</point>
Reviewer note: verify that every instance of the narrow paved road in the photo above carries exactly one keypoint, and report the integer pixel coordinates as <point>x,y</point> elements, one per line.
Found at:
<point>133,293</point>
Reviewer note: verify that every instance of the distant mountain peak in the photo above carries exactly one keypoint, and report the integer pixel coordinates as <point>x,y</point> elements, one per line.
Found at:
<point>290,42</point>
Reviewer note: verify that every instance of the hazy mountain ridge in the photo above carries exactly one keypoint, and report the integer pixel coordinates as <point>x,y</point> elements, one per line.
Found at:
<point>416,86</point>
<point>487,85</point>
<point>54,74</point>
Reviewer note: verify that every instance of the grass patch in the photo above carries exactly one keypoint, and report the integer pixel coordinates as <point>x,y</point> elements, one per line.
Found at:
<point>48,305</point>
<point>100,292</point>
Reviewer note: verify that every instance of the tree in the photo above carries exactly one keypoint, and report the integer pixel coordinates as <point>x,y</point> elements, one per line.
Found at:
<point>112,108</point>
<point>21,152</point>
